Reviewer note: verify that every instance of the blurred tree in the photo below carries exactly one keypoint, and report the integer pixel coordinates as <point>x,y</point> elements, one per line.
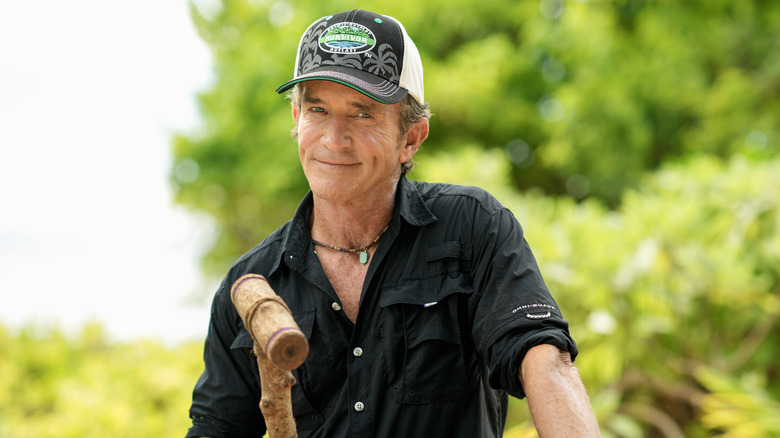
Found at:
<point>88,386</point>
<point>583,97</point>
<point>674,298</point>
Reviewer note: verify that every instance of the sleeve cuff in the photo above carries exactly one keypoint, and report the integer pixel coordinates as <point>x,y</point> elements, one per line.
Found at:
<point>505,372</point>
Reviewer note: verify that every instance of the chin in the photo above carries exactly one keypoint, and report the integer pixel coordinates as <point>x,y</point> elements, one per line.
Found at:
<point>330,189</point>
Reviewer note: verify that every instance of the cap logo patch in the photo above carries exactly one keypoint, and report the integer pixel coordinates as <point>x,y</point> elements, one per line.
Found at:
<point>347,38</point>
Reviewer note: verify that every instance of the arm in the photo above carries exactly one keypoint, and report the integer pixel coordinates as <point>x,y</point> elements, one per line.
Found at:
<point>225,398</point>
<point>556,396</point>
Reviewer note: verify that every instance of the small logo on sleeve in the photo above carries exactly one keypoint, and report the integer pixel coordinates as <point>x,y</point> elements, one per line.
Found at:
<point>533,311</point>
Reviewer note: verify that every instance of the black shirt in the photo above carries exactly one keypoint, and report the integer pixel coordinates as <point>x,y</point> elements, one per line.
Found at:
<point>452,301</point>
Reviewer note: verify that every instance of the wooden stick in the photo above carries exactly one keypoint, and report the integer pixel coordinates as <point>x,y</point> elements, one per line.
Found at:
<point>280,347</point>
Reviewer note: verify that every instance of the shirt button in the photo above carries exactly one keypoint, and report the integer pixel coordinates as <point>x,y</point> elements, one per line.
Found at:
<point>357,351</point>
<point>359,406</point>
<point>335,306</point>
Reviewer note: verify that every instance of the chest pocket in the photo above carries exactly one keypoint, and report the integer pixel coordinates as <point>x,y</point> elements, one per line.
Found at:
<point>306,416</point>
<point>426,358</point>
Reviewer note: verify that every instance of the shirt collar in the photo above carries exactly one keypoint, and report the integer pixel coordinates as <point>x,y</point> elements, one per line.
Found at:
<point>298,234</point>
<point>410,206</point>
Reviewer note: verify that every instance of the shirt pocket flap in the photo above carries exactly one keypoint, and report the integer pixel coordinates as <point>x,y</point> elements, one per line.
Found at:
<point>242,340</point>
<point>454,249</point>
<point>305,321</point>
<point>429,307</point>
<point>425,293</point>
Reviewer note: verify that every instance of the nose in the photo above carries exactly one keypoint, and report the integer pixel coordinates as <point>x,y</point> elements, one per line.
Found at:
<point>337,133</point>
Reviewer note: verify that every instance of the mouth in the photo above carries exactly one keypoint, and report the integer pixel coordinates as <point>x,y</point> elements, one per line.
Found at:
<point>335,163</point>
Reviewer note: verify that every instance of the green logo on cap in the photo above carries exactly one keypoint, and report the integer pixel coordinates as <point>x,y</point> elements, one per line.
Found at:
<point>347,38</point>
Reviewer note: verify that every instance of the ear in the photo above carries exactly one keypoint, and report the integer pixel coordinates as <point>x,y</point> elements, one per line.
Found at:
<point>413,138</point>
<point>295,113</point>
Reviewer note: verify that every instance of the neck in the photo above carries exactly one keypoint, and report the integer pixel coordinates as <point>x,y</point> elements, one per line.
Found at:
<point>351,224</point>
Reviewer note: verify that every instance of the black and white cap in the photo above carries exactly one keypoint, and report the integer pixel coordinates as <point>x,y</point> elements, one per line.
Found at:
<point>369,52</point>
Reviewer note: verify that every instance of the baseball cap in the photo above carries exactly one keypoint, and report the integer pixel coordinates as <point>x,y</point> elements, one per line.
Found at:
<point>368,52</point>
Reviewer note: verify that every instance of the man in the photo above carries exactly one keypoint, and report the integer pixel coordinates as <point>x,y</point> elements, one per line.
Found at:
<point>422,303</point>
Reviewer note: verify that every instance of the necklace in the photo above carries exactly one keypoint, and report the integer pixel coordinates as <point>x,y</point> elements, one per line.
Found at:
<point>363,251</point>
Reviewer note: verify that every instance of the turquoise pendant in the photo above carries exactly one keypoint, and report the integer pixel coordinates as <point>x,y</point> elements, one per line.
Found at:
<point>364,257</point>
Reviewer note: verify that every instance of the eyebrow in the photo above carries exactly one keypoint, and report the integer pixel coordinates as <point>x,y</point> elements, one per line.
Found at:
<point>313,100</point>
<point>363,106</point>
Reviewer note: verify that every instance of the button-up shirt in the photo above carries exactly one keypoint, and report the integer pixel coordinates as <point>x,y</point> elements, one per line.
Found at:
<point>451,302</point>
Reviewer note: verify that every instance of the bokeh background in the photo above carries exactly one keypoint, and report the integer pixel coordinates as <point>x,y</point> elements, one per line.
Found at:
<point>636,141</point>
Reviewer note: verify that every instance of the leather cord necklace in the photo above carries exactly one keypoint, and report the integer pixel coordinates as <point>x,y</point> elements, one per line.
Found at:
<point>363,251</point>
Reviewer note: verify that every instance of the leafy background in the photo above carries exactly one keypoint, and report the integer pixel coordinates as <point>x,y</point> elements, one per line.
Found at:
<point>636,141</point>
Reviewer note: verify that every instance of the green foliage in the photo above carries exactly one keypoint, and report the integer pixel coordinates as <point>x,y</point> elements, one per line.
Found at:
<point>87,386</point>
<point>674,298</point>
<point>741,407</point>
<point>584,97</point>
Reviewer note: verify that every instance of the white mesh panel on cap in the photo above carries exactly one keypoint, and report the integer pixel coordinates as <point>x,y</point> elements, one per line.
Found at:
<point>412,73</point>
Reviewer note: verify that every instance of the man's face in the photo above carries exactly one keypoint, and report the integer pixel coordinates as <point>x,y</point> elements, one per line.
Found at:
<point>350,145</point>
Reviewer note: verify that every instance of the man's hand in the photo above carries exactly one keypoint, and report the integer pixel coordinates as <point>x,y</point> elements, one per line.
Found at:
<point>556,396</point>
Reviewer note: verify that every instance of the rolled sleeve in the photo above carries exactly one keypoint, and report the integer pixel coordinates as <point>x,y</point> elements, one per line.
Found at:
<point>515,310</point>
<point>508,353</point>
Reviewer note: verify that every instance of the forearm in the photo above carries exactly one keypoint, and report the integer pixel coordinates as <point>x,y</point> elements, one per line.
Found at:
<point>556,396</point>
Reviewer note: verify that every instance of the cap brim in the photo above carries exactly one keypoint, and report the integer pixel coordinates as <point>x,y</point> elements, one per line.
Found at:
<point>372,86</point>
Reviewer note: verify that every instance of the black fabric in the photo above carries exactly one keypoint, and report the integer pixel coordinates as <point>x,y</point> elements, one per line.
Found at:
<point>452,301</point>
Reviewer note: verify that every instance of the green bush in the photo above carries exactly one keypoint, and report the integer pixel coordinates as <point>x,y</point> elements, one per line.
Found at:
<point>584,97</point>
<point>673,298</point>
<point>86,386</point>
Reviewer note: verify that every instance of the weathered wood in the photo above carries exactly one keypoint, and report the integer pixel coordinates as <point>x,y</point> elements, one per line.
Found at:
<point>280,347</point>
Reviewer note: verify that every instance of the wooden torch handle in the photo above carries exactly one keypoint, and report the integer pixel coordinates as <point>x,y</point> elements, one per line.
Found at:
<point>269,321</point>
<point>280,346</point>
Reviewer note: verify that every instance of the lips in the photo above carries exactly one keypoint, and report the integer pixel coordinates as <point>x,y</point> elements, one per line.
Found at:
<point>335,162</point>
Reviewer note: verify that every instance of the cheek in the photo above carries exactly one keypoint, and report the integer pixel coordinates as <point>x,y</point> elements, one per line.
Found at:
<point>305,135</point>
<point>304,142</point>
<point>302,128</point>
<point>385,140</point>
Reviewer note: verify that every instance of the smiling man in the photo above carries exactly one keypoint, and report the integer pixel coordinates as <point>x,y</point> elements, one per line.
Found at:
<point>423,304</point>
